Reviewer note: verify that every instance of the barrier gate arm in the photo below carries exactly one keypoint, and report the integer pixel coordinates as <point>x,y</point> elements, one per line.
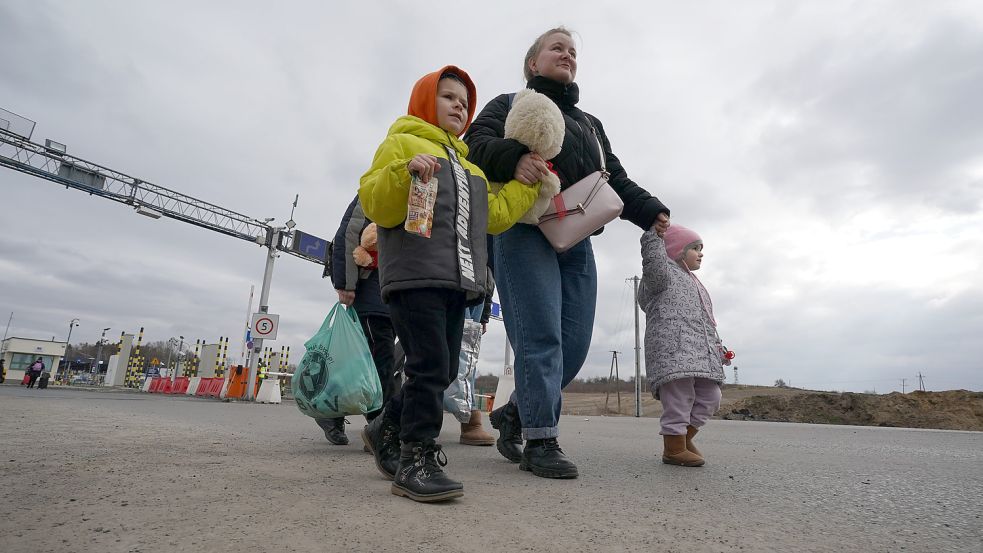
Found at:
<point>21,154</point>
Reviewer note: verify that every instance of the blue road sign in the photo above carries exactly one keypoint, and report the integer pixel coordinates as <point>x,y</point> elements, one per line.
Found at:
<point>496,310</point>
<point>310,246</point>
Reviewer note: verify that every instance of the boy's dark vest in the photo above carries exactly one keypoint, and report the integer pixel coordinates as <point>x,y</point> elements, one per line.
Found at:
<point>455,256</point>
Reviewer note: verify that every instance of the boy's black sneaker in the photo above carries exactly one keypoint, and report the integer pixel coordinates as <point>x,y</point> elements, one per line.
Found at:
<point>506,420</point>
<point>381,436</point>
<point>544,458</point>
<point>420,476</point>
<point>334,430</point>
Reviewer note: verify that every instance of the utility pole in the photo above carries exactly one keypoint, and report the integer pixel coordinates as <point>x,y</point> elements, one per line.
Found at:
<point>167,362</point>
<point>264,299</point>
<point>902,386</point>
<point>99,349</point>
<point>243,356</point>
<point>638,354</point>
<point>8,325</point>
<point>615,377</point>
<point>68,362</point>
<point>178,361</point>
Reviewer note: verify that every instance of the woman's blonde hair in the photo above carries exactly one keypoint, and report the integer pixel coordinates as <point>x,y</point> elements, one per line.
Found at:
<point>538,45</point>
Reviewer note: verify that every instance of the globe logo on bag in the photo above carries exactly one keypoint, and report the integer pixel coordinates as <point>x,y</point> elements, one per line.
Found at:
<point>313,376</point>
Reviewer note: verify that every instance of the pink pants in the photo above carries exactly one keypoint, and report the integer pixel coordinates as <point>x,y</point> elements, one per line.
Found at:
<point>687,402</point>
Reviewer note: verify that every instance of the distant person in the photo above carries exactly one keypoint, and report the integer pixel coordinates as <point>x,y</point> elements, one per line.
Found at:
<point>473,432</point>
<point>433,208</point>
<point>3,370</point>
<point>34,371</point>
<point>684,356</point>
<point>357,286</point>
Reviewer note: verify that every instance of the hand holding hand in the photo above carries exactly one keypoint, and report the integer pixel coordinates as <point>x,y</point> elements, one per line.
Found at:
<point>346,297</point>
<point>530,169</point>
<point>424,166</point>
<point>661,224</point>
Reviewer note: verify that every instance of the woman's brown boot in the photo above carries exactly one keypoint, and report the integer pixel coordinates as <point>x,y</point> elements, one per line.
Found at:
<point>472,432</point>
<point>675,453</point>
<point>690,432</point>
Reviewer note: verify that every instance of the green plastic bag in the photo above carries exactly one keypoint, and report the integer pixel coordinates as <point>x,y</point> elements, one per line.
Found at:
<point>337,376</point>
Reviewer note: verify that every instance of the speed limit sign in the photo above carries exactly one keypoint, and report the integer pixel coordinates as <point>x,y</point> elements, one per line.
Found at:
<point>264,325</point>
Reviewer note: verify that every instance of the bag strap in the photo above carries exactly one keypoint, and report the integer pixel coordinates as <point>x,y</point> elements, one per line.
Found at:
<point>330,318</point>
<point>560,205</point>
<point>600,149</point>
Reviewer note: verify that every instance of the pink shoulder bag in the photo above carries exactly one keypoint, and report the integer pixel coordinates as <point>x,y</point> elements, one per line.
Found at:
<point>581,209</point>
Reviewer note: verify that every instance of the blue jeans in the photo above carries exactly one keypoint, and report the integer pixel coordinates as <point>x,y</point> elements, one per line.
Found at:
<point>548,302</point>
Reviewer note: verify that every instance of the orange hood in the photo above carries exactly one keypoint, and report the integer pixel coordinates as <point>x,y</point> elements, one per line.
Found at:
<point>423,99</point>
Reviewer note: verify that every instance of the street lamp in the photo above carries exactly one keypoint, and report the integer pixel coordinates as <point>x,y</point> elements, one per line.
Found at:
<point>68,365</point>
<point>179,358</point>
<point>99,349</point>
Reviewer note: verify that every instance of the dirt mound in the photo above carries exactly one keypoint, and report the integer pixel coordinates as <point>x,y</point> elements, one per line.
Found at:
<point>950,410</point>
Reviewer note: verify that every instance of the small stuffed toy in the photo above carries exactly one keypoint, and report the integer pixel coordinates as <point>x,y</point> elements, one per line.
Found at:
<point>365,254</point>
<point>536,122</point>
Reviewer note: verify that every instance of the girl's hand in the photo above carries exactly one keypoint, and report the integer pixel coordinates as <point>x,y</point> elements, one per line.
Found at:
<point>661,224</point>
<point>530,169</point>
<point>424,166</point>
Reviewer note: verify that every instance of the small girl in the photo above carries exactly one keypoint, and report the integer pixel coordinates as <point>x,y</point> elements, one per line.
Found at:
<point>684,357</point>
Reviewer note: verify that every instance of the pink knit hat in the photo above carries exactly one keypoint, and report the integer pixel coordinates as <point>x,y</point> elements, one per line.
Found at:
<point>679,239</point>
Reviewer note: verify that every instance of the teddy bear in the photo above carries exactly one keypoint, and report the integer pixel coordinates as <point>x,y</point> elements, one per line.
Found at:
<point>536,122</point>
<point>366,254</point>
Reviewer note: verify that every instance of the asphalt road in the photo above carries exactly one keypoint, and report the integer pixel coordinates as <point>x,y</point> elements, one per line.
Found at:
<point>122,471</point>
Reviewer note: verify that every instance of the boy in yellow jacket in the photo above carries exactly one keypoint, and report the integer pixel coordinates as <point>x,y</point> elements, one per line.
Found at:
<point>434,209</point>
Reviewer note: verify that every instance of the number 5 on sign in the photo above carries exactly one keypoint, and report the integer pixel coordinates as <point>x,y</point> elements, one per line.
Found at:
<point>264,325</point>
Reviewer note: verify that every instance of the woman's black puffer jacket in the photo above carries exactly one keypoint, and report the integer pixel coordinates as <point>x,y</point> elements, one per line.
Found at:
<point>579,157</point>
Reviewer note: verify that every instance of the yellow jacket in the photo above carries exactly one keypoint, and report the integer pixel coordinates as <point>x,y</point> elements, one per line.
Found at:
<point>384,189</point>
<point>455,255</point>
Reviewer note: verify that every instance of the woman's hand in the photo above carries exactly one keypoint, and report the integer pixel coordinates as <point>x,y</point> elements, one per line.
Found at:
<point>530,169</point>
<point>424,166</point>
<point>661,224</point>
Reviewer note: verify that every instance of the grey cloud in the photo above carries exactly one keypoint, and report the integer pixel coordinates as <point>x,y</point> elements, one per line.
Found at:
<point>878,121</point>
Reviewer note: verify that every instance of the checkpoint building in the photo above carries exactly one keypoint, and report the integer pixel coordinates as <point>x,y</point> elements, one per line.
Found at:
<point>19,353</point>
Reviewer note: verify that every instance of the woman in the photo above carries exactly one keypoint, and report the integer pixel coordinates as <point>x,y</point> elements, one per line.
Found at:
<point>548,299</point>
<point>35,370</point>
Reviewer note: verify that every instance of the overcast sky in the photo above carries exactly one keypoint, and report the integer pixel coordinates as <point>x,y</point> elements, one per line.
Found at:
<point>829,153</point>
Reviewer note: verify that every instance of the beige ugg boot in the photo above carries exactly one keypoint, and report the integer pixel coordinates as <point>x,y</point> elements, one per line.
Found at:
<point>675,452</point>
<point>472,432</point>
<point>690,432</point>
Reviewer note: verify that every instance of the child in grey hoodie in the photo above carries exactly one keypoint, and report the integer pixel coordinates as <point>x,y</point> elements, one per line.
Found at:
<point>684,357</point>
